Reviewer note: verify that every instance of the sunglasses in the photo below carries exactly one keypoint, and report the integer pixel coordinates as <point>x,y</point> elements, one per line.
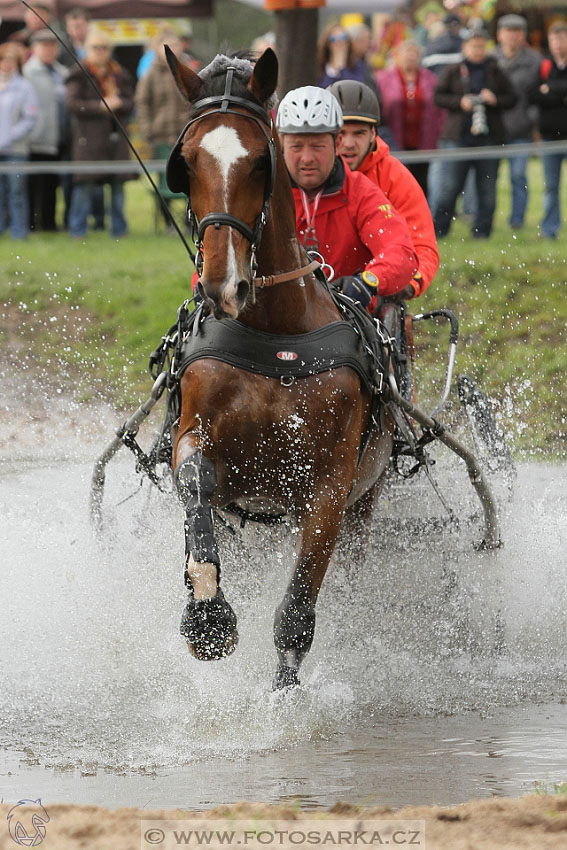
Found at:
<point>100,47</point>
<point>342,37</point>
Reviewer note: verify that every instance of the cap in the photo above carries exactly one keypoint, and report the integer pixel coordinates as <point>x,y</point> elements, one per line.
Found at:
<point>475,32</point>
<point>452,20</point>
<point>42,35</point>
<point>512,22</point>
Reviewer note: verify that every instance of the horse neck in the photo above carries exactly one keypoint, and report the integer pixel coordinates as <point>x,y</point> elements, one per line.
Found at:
<point>296,306</point>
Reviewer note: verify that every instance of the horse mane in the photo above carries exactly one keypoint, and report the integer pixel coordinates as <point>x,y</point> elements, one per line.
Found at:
<point>214,76</point>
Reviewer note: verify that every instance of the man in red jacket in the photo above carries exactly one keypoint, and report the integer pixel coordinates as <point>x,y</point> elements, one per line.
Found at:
<point>366,152</point>
<point>339,212</point>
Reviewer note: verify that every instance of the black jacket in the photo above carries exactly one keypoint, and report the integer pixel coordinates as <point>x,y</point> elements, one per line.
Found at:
<point>553,103</point>
<point>454,83</point>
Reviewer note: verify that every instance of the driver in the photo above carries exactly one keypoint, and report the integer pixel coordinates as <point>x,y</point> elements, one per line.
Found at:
<point>339,212</point>
<point>366,152</point>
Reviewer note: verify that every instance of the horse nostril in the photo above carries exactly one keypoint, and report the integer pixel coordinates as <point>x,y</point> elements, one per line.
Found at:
<point>242,290</point>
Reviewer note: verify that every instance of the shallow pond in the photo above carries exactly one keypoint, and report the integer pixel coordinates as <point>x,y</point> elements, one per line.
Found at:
<point>408,695</point>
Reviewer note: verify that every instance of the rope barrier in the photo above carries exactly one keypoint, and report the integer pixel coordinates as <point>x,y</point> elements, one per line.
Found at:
<point>446,154</point>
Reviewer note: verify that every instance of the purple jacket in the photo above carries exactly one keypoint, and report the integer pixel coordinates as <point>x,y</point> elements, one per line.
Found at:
<point>392,97</point>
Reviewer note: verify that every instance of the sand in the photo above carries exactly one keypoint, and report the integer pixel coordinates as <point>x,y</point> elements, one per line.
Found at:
<point>530,823</point>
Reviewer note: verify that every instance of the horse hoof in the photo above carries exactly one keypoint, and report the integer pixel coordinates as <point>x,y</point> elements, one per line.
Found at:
<point>285,677</point>
<point>209,626</point>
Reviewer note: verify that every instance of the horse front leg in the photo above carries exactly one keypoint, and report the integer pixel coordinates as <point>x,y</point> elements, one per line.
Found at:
<point>294,624</point>
<point>208,622</point>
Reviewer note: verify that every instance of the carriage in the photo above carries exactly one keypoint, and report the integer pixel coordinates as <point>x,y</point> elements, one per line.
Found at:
<point>282,396</point>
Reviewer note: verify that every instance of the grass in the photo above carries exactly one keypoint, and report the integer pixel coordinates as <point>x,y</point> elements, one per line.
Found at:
<point>557,789</point>
<point>92,311</point>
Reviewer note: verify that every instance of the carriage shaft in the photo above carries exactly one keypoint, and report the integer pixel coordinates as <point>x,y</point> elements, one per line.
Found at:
<point>476,475</point>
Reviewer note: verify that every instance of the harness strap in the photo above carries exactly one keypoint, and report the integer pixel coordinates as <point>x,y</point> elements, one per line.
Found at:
<point>271,279</point>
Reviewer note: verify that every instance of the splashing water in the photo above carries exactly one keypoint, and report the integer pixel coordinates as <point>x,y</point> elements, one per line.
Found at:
<point>95,673</point>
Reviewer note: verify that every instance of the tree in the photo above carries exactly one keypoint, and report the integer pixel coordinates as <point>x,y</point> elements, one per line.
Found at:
<point>296,47</point>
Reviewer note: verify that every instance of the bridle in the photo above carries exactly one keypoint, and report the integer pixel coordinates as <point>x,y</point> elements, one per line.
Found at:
<point>177,181</point>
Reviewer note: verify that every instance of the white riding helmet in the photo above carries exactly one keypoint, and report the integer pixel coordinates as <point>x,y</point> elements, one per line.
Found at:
<point>309,109</point>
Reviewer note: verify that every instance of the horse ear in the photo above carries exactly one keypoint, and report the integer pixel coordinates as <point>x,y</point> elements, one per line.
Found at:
<point>264,80</point>
<point>188,82</point>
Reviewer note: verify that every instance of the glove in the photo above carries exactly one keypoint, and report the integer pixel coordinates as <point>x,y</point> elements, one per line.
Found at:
<point>360,287</point>
<point>412,290</point>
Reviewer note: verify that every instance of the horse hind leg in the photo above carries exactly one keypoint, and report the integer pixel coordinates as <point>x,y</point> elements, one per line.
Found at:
<point>208,622</point>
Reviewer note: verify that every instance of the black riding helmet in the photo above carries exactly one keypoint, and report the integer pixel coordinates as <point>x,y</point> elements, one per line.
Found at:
<point>358,101</point>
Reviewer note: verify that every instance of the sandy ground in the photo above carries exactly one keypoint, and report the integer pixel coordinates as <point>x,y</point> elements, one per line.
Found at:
<point>530,823</point>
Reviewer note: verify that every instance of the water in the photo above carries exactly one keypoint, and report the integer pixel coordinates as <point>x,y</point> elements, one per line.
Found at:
<point>405,695</point>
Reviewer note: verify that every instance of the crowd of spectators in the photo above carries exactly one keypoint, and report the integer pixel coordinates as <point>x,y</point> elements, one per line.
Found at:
<point>441,83</point>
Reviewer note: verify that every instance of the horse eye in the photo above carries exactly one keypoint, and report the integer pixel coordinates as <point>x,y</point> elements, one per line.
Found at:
<point>260,164</point>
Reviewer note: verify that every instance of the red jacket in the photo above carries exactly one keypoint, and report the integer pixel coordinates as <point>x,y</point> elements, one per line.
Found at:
<point>402,189</point>
<point>357,228</point>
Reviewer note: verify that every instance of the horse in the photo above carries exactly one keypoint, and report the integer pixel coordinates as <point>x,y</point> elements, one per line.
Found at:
<point>244,438</point>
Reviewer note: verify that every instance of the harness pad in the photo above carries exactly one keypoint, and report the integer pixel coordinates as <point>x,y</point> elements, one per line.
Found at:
<point>299,356</point>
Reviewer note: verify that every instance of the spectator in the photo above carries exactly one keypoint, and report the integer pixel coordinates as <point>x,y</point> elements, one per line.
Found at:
<point>475,92</point>
<point>440,51</point>
<point>76,29</point>
<point>95,135</point>
<point>445,49</point>
<point>262,43</point>
<point>550,94</point>
<point>361,39</point>
<point>408,107</point>
<point>47,77</point>
<point>18,114</point>
<point>337,60</point>
<point>33,23</point>
<point>146,61</point>
<point>429,22</point>
<point>186,39</point>
<point>77,22</point>
<point>160,108</point>
<point>521,63</point>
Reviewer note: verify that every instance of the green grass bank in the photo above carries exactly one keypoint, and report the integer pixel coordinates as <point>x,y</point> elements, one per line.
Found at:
<point>86,314</point>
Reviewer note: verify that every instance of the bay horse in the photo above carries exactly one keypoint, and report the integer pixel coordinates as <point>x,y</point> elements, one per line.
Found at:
<point>245,438</point>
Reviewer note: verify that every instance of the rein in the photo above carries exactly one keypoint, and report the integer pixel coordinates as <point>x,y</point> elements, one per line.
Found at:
<point>176,182</point>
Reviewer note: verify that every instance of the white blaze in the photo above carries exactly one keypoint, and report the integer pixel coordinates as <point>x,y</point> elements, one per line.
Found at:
<point>224,145</point>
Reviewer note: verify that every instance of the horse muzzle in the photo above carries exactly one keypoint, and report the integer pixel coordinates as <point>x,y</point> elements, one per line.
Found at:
<point>228,300</point>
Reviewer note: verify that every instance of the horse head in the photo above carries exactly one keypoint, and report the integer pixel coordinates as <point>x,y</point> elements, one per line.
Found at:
<point>225,162</point>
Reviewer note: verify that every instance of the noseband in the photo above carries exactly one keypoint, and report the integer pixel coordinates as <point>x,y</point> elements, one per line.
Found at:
<point>177,181</point>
